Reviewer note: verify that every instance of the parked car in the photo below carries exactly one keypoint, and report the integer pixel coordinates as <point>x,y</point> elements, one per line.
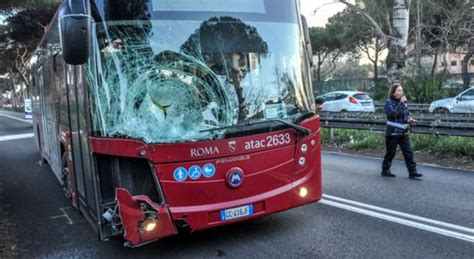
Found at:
<point>345,101</point>
<point>462,103</point>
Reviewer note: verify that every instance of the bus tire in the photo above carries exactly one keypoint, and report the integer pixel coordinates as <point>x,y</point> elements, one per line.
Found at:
<point>40,147</point>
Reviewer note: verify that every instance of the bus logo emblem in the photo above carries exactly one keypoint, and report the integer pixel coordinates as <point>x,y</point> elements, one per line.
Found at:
<point>232,145</point>
<point>235,177</point>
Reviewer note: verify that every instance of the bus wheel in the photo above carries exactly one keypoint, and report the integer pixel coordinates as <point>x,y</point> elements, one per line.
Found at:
<point>66,177</point>
<point>40,147</point>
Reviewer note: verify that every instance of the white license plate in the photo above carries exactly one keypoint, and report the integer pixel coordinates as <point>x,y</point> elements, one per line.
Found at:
<point>238,212</point>
<point>366,104</point>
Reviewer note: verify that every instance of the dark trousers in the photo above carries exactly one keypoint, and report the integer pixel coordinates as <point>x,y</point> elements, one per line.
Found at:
<point>391,143</point>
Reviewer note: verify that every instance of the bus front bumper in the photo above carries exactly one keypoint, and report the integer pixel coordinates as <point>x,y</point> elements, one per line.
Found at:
<point>292,195</point>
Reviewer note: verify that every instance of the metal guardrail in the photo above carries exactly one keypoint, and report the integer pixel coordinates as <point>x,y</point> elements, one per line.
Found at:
<point>427,123</point>
<point>413,107</point>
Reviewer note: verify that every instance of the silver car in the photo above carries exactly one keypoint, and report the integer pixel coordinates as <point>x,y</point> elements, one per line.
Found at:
<point>462,103</point>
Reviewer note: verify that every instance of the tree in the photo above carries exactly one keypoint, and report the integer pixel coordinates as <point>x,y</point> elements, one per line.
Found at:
<point>393,30</point>
<point>24,29</point>
<point>7,6</point>
<point>326,45</point>
<point>358,36</point>
<point>397,43</point>
<point>446,26</point>
<point>447,23</point>
<point>351,69</point>
<point>3,85</point>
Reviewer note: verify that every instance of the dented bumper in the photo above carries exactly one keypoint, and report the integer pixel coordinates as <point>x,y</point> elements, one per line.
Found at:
<point>142,220</point>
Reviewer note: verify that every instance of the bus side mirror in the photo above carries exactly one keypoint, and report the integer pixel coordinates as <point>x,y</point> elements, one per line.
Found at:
<point>75,26</point>
<point>307,39</point>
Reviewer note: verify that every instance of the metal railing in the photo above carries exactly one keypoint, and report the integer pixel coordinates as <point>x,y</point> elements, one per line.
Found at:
<point>427,123</point>
<point>413,107</point>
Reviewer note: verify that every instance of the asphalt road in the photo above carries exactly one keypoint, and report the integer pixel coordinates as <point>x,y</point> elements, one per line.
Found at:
<point>362,215</point>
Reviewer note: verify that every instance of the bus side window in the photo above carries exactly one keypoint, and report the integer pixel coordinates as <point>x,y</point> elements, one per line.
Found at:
<point>60,84</point>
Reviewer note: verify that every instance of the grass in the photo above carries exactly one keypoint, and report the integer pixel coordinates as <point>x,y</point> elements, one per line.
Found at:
<point>16,109</point>
<point>440,145</point>
<point>447,145</point>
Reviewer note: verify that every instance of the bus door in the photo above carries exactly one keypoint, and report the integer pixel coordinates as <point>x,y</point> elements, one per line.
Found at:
<point>49,129</point>
<point>79,126</point>
<point>42,133</point>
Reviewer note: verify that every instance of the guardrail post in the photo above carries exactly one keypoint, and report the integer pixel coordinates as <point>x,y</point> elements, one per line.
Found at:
<point>331,134</point>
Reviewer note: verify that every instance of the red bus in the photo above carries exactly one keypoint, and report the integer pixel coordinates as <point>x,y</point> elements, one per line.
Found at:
<point>163,116</point>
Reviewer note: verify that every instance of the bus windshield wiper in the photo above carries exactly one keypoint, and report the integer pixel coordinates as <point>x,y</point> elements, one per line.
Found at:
<point>303,130</point>
<point>299,128</point>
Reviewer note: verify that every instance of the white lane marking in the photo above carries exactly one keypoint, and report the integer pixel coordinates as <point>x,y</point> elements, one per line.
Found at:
<point>401,214</point>
<point>405,222</point>
<point>64,215</point>
<point>13,137</point>
<point>18,119</point>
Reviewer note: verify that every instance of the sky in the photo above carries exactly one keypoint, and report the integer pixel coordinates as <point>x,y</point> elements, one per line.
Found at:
<point>324,10</point>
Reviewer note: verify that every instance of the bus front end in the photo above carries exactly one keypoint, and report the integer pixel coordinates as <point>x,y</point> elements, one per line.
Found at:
<point>201,114</point>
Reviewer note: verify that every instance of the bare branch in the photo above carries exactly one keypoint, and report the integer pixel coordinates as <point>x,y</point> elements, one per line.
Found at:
<point>374,24</point>
<point>44,27</point>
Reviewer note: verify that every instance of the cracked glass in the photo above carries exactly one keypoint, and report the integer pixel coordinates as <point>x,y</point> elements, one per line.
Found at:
<point>173,76</point>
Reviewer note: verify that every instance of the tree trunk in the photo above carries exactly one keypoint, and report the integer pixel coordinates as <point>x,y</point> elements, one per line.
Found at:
<point>466,78</point>
<point>398,41</point>
<point>435,63</point>
<point>24,79</point>
<point>376,60</point>
<point>21,66</point>
<point>14,97</point>
<point>445,63</point>
<point>419,70</point>
<point>376,70</point>
<point>319,68</point>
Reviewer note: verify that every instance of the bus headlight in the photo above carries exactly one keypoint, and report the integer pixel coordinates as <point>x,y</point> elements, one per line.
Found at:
<point>303,192</point>
<point>149,224</point>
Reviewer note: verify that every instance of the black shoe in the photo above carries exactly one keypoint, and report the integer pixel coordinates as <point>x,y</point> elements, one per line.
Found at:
<point>387,174</point>
<point>415,175</point>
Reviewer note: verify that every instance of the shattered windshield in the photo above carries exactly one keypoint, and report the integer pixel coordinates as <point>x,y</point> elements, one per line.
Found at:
<point>169,80</point>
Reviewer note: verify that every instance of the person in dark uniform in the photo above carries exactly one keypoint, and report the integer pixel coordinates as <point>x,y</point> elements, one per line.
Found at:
<point>396,133</point>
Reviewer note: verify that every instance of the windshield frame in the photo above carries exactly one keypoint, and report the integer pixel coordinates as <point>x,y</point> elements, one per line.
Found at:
<point>285,11</point>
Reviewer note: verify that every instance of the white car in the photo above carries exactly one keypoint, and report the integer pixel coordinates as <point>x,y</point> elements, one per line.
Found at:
<point>345,101</point>
<point>462,103</point>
